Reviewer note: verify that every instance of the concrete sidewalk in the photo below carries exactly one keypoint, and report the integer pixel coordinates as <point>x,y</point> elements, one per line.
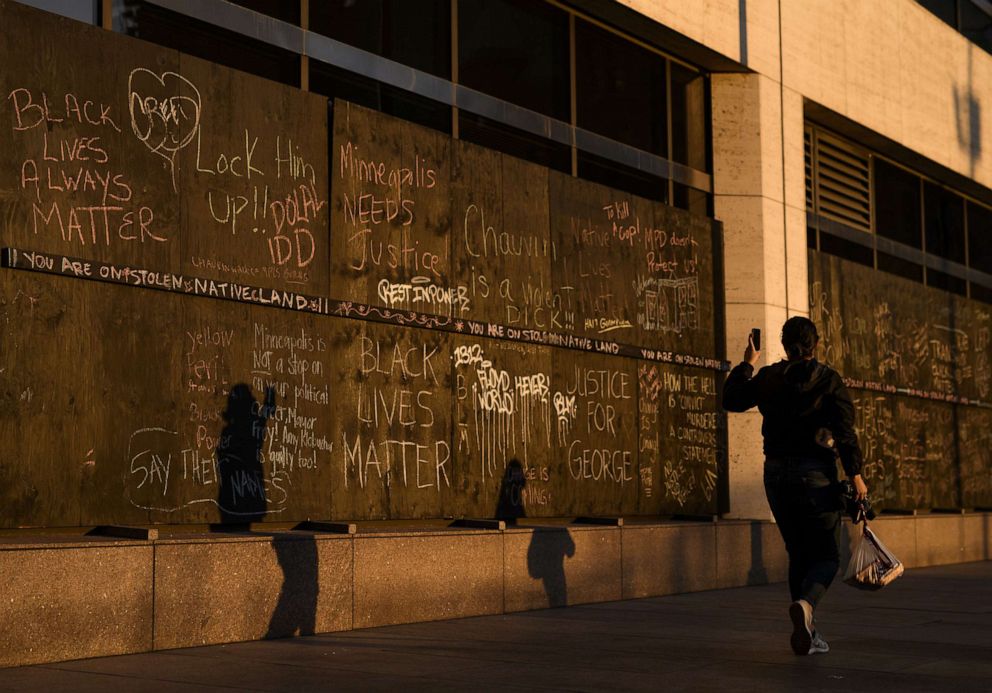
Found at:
<point>929,631</point>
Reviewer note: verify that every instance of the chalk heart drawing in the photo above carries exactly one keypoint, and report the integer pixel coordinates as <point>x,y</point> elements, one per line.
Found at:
<point>165,112</point>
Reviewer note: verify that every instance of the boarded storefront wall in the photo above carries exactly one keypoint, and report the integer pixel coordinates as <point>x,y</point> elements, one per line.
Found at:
<point>231,301</point>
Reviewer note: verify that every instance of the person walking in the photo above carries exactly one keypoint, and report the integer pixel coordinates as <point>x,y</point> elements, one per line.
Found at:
<point>807,421</point>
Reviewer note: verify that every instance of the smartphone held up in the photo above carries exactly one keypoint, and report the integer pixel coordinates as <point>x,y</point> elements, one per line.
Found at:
<point>756,338</point>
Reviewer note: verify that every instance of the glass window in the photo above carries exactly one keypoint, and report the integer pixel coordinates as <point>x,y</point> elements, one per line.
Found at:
<point>695,201</point>
<point>981,293</point>
<point>147,21</point>
<point>946,282</point>
<point>280,9</point>
<point>518,143</point>
<point>897,204</point>
<point>943,218</point>
<point>944,9</point>
<point>689,99</point>
<point>976,22</point>
<point>415,33</point>
<point>336,83</point>
<point>903,268</point>
<point>82,10</point>
<point>517,51</point>
<point>843,248</point>
<point>620,90</point>
<point>616,175</point>
<point>980,237</point>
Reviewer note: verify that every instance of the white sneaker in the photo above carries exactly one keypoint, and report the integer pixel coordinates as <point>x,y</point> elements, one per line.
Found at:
<point>818,645</point>
<point>801,613</point>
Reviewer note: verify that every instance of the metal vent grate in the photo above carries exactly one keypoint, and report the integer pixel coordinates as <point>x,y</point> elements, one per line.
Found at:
<point>808,150</point>
<point>842,182</point>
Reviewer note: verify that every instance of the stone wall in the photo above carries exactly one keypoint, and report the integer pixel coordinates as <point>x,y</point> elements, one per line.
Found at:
<point>91,597</point>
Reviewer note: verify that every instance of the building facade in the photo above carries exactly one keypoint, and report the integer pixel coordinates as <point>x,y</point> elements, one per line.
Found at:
<point>422,264</point>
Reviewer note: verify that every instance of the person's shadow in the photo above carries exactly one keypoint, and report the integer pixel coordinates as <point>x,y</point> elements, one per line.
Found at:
<point>242,500</point>
<point>548,545</point>
<point>510,504</point>
<point>546,561</point>
<point>241,494</point>
<point>296,611</point>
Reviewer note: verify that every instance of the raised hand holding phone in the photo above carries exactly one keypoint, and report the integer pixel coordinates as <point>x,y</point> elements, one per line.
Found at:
<point>753,350</point>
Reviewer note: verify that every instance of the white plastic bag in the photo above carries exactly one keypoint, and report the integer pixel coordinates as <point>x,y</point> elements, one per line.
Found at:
<point>872,565</point>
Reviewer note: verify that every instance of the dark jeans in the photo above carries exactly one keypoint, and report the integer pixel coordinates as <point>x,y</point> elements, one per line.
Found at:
<point>804,499</point>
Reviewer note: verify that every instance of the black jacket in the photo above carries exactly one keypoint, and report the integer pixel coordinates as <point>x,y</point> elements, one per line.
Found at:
<point>797,399</point>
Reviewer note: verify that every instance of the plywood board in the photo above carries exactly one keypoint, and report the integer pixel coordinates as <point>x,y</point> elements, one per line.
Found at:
<point>252,178</point>
<point>390,212</point>
<point>79,179</point>
<point>596,439</point>
<point>392,423</point>
<point>504,418</point>
<point>598,233</point>
<point>681,440</point>
<point>975,454</point>
<point>673,283</point>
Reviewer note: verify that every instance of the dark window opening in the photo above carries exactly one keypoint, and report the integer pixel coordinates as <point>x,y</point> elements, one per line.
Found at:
<point>335,83</point>
<point>488,133</point>
<point>976,23</point>
<point>947,282</point>
<point>980,237</point>
<point>943,218</point>
<point>898,266</point>
<point>690,95</point>
<point>149,22</point>
<point>87,11</point>
<point>843,248</point>
<point>517,51</point>
<point>690,199</point>
<point>972,18</point>
<point>614,175</point>
<point>944,9</point>
<point>620,89</point>
<point>897,204</point>
<point>279,9</point>
<point>981,293</point>
<point>417,34</point>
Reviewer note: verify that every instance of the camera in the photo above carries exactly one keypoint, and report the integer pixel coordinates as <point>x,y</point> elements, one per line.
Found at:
<point>852,506</point>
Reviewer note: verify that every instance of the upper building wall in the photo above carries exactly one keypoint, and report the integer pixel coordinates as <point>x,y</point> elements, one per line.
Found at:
<point>890,66</point>
<point>713,23</point>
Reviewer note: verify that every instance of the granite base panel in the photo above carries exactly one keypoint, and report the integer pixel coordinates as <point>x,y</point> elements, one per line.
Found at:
<point>208,592</point>
<point>668,559</point>
<point>408,578</point>
<point>975,539</point>
<point>939,539</point>
<point>74,602</point>
<point>749,553</point>
<point>560,566</point>
<point>81,598</point>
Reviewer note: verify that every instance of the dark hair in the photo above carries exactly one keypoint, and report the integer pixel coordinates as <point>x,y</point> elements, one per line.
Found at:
<point>799,337</point>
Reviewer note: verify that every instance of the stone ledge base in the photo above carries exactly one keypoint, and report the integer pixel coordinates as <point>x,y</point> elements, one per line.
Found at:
<point>93,597</point>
